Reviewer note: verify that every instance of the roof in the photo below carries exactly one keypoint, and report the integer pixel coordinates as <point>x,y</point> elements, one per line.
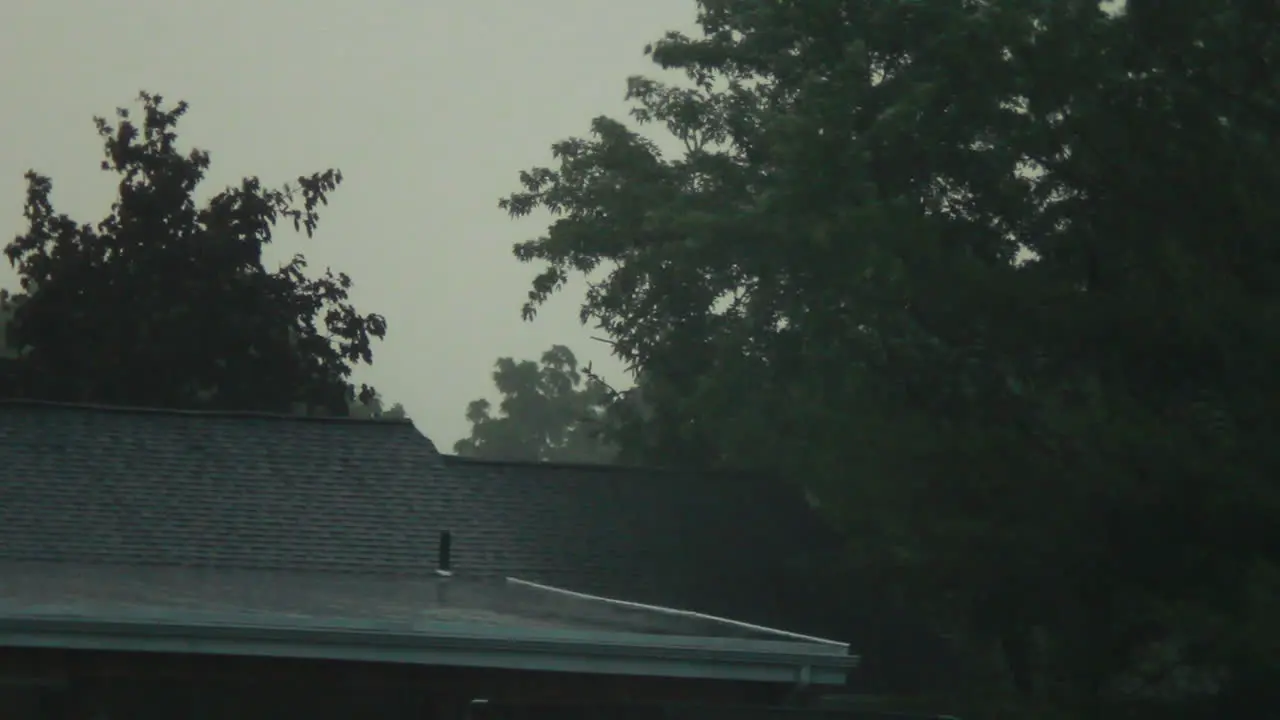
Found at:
<point>90,484</point>
<point>163,498</point>
<point>428,620</point>
<point>346,601</point>
<point>255,491</point>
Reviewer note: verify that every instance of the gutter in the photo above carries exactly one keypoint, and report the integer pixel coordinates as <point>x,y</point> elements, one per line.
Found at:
<point>454,644</point>
<point>779,634</point>
<point>805,673</point>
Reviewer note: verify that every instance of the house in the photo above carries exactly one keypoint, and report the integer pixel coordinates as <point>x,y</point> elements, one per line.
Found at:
<point>232,565</point>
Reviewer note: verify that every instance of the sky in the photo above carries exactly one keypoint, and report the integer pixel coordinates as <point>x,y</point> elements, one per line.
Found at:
<point>429,107</point>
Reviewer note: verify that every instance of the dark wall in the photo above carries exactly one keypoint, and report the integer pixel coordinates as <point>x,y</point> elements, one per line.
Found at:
<point>170,700</point>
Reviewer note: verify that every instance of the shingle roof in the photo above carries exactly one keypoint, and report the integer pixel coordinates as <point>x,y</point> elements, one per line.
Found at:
<point>291,599</point>
<point>254,492</point>
<point>241,492</point>
<point>89,484</point>
<point>737,545</point>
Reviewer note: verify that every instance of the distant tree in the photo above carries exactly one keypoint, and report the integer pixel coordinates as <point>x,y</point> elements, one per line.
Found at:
<point>167,303</point>
<point>373,408</point>
<point>550,411</point>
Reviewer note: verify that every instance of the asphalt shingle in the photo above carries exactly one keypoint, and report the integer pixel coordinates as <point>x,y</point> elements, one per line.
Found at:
<point>217,490</point>
<point>144,488</point>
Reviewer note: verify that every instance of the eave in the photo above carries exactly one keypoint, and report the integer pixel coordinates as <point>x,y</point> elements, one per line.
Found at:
<point>453,645</point>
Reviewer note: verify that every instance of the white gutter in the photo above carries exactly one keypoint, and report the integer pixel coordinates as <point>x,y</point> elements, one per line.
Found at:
<point>682,613</point>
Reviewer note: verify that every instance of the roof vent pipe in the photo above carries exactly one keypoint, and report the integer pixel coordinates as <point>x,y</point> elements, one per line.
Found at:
<point>444,563</point>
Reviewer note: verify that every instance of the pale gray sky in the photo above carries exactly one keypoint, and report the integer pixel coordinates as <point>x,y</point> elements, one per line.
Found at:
<point>429,107</point>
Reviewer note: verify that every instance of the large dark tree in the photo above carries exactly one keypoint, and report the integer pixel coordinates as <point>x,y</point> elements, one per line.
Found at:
<point>168,303</point>
<point>551,411</point>
<point>998,281</point>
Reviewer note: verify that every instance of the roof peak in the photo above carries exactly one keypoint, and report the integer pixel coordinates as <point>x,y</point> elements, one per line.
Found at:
<point>144,410</point>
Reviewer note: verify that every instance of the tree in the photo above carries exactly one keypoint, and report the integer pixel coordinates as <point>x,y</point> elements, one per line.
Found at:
<point>6,314</point>
<point>168,304</point>
<point>548,413</point>
<point>995,280</point>
<point>374,408</point>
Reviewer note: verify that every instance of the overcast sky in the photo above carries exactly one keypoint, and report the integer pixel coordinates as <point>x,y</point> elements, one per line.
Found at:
<point>429,107</point>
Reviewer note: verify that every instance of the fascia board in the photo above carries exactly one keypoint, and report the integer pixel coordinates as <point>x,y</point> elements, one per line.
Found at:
<point>453,645</point>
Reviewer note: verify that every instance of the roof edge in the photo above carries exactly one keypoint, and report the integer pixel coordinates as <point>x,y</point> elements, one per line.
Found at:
<point>242,414</point>
<point>456,646</point>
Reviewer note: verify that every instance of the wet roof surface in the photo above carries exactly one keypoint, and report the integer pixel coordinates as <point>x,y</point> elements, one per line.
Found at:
<point>291,600</point>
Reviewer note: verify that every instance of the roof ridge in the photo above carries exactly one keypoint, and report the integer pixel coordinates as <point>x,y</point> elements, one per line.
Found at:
<point>452,458</point>
<point>243,414</point>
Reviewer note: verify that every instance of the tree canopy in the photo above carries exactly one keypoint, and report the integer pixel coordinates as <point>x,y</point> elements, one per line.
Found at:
<point>168,303</point>
<point>550,411</point>
<point>997,281</point>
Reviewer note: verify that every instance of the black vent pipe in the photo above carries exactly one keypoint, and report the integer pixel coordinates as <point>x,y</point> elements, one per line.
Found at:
<point>444,563</point>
